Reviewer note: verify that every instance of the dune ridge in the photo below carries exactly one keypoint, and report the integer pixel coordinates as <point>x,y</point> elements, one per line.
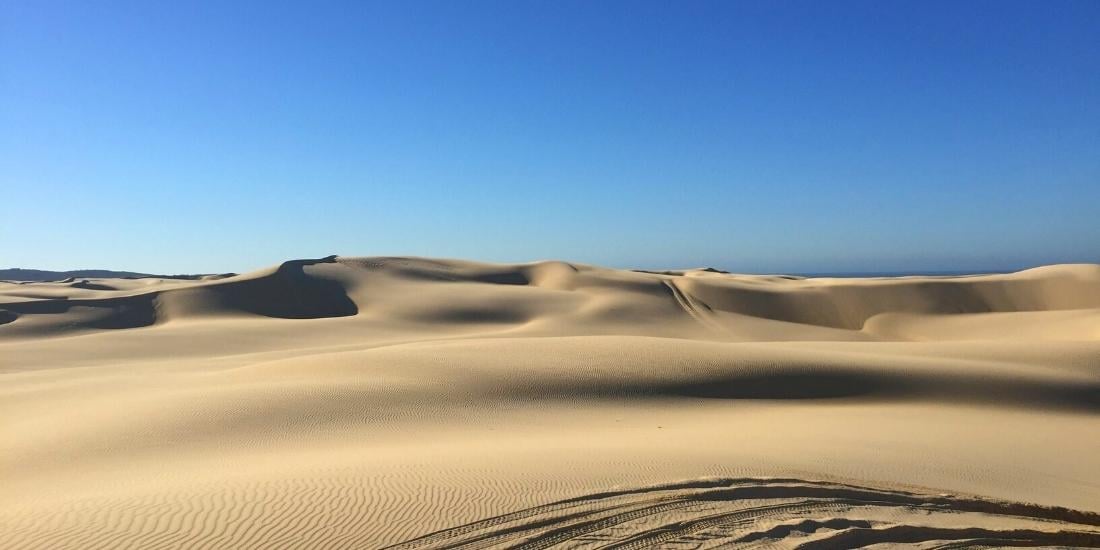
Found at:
<point>370,402</point>
<point>332,287</point>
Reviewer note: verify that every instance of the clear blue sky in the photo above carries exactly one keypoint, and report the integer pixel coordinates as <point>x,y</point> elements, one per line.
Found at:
<point>755,136</point>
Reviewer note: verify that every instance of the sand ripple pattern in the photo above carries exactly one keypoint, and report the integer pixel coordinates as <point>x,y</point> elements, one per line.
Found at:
<point>775,513</point>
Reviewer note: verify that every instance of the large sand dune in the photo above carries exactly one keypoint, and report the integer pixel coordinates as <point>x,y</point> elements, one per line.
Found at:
<point>418,403</point>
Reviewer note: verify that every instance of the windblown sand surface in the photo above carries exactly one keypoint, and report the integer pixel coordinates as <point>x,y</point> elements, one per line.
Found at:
<point>364,403</point>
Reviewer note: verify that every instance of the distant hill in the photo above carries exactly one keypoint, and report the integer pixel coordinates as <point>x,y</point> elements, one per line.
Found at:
<point>19,274</point>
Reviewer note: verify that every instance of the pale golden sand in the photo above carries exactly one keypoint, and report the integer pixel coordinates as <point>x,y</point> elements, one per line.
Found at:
<point>359,403</point>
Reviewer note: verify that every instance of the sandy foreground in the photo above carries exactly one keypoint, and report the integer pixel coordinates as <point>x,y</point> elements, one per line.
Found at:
<point>418,403</point>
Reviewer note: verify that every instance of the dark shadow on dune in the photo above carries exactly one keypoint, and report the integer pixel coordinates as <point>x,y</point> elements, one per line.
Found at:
<point>289,293</point>
<point>105,313</point>
<point>840,384</point>
<point>1045,394</point>
<point>790,385</point>
<point>502,278</point>
<point>87,285</point>
<point>473,315</point>
<point>437,274</point>
<point>848,306</point>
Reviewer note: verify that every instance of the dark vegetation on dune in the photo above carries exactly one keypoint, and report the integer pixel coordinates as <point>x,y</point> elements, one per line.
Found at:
<point>42,275</point>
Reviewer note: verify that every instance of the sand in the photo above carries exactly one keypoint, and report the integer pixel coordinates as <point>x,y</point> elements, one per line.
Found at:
<point>420,403</point>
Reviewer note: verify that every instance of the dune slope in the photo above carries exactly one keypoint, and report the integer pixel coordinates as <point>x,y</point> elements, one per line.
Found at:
<point>420,403</point>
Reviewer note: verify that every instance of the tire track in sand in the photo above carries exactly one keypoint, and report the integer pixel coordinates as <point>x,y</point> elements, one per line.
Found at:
<point>767,512</point>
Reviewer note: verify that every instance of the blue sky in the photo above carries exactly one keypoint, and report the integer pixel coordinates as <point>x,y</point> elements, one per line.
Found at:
<point>753,136</point>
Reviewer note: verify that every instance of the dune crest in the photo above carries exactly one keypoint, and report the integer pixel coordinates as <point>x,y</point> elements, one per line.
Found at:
<point>724,306</point>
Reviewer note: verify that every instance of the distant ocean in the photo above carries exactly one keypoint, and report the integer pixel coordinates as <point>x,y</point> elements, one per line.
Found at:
<point>856,274</point>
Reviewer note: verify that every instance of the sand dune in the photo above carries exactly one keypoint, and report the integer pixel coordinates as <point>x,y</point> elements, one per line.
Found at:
<point>419,403</point>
